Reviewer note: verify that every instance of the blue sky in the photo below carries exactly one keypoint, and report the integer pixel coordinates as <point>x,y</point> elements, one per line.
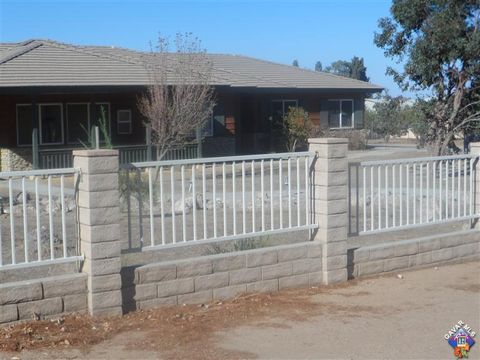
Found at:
<point>279,31</point>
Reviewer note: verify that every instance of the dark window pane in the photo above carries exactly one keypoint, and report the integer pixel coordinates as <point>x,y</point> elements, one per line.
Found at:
<point>347,113</point>
<point>51,124</point>
<point>124,122</point>
<point>287,105</point>
<point>334,114</point>
<point>24,124</point>
<point>277,114</point>
<point>77,122</point>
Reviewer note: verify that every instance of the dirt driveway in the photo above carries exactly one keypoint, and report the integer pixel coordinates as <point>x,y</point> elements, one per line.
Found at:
<point>377,318</point>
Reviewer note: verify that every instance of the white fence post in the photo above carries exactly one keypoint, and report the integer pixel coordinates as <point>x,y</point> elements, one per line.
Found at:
<point>99,218</point>
<point>329,205</point>
<point>475,150</point>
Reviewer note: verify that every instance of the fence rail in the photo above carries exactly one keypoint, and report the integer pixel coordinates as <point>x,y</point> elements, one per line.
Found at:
<point>397,194</point>
<point>63,158</point>
<point>216,199</point>
<point>38,219</point>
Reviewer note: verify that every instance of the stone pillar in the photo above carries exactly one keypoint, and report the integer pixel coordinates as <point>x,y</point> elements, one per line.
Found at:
<point>99,218</point>
<point>475,150</point>
<point>329,205</point>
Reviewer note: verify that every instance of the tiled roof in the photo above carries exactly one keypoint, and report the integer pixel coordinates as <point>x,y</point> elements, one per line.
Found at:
<point>51,63</point>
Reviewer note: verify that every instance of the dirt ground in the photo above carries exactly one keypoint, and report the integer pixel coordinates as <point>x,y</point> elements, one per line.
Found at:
<point>400,317</point>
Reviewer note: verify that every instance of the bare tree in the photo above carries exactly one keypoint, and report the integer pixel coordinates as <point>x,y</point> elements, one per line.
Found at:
<point>180,98</point>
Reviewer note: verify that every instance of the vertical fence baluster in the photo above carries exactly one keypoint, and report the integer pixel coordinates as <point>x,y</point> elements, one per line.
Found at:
<point>162,209</point>
<point>234,207</point>
<point>12,221</point>
<point>421,193</point>
<point>446,189</point>
<point>407,171</point>
<point>262,189</point>
<point>184,210</point>
<point>434,180</point>
<point>298,191</point>
<point>308,219</point>
<point>50,217</point>
<point>379,180</point>
<point>289,179</point>
<point>150,200</point>
<point>440,190</point>
<point>414,180</point>
<point>364,169</point>
<point>465,187</point>
<point>1,246</point>
<point>372,207</point>
<point>244,209</point>
<point>428,192</point>
<point>253,196</point>
<point>224,198</point>
<point>459,184</point>
<point>394,201</point>
<point>37,214</point>
<point>194,199</point>
<point>214,200</point>
<point>172,196</point>
<point>25,223</point>
<point>280,186</point>
<point>401,193</point>
<point>271,195</point>
<point>64,225</point>
<point>386,196</point>
<point>204,200</point>
<point>453,190</point>
<point>471,199</point>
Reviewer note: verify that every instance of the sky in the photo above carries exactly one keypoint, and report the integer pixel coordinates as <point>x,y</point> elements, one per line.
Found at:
<point>279,31</point>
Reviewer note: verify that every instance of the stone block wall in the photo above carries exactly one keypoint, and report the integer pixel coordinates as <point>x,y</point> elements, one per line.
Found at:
<point>39,298</point>
<point>224,276</point>
<point>402,255</point>
<point>15,159</point>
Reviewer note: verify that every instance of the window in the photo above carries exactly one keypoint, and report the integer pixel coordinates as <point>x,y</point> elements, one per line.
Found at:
<point>51,124</point>
<point>78,122</point>
<point>124,121</point>
<point>340,113</point>
<point>25,124</point>
<point>207,128</point>
<point>279,110</point>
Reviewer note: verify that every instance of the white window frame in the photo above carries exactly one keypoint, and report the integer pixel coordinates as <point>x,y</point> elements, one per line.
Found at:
<point>341,112</point>
<point>209,122</point>
<point>129,121</point>
<point>40,123</point>
<point>283,101</point>
<point>16,118</point>
<point>88,118</point>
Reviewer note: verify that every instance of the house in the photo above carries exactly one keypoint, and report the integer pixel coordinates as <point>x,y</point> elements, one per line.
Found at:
<point>60,89</point>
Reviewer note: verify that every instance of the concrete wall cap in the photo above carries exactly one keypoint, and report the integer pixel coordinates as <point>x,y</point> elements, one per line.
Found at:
<point>95,153</point>
<point>328,141</point>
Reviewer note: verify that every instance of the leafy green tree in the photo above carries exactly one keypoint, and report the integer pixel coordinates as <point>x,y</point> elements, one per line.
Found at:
<point>388,117</point>
<point>339,67</point>
<point>438,43</point>
<point>295,63</point>
<point>358,70</point>
<point>354,68</point>
<point>297,127</point>
<point>318,66</point>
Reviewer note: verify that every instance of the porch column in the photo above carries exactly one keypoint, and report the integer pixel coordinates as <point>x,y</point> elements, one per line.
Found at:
<point>330,189</point>
<point>99,218</point>
<point>475,150</point>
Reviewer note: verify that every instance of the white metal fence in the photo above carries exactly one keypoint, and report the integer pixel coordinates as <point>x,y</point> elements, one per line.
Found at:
<point>395,194</point>
<point>38,218</point>
<point>213,199</point>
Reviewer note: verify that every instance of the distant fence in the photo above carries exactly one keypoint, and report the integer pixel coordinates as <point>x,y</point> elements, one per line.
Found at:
<point>63,158</point>
<point>398,194</point>
<point>38,220</point>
